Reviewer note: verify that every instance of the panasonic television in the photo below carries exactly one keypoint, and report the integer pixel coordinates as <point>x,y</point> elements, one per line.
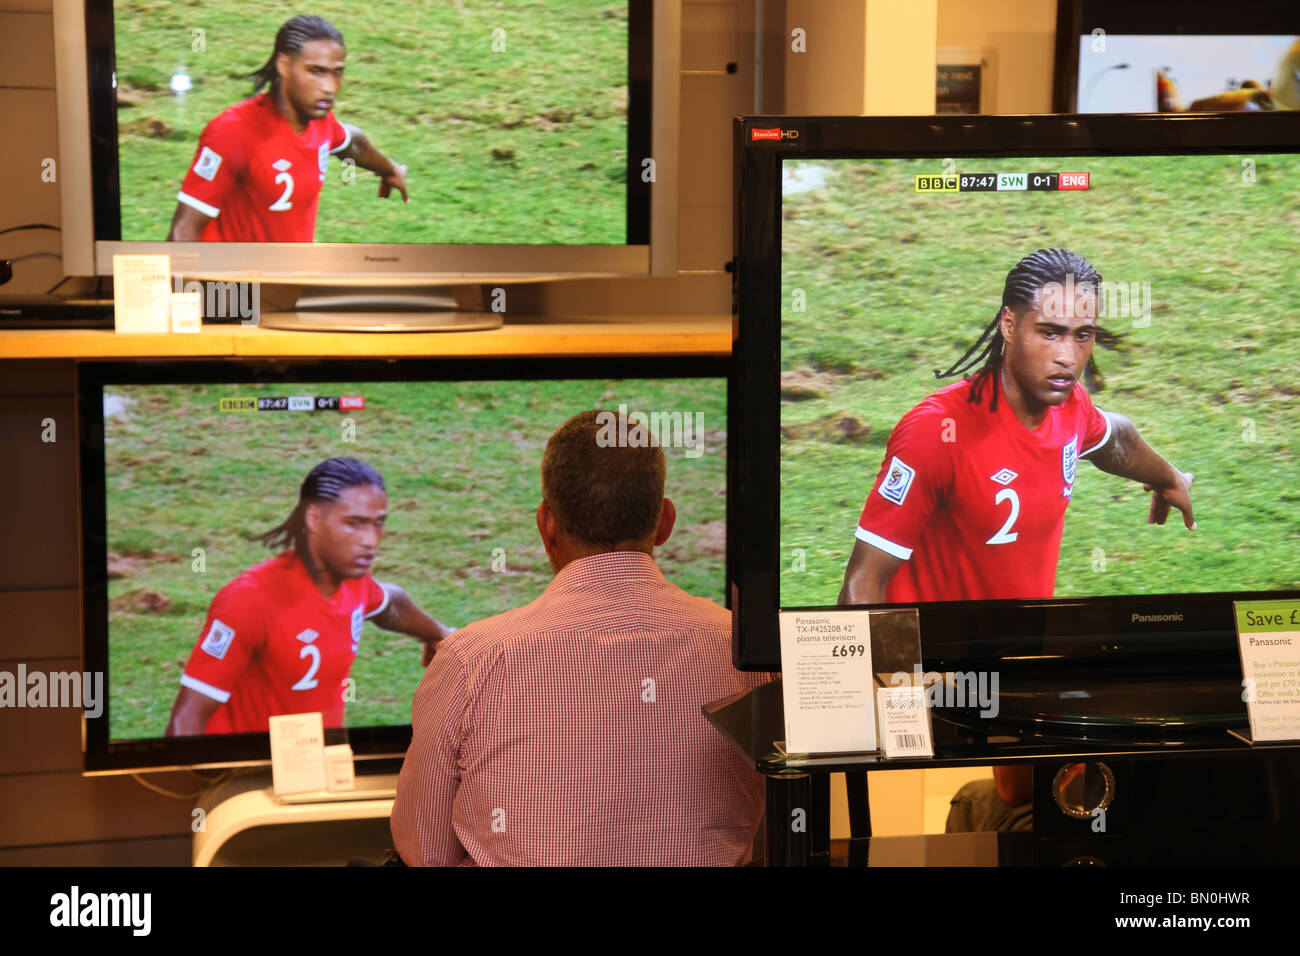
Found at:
<point>536,140</point>
<point>186,467</point>
<point>872,258</point>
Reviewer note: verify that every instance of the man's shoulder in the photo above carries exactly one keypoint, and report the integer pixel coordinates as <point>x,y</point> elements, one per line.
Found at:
<point>671,607</point>
<point>273,574</point>
<point>931,422</point>
<point>950,398</point>
<point>241,117</point>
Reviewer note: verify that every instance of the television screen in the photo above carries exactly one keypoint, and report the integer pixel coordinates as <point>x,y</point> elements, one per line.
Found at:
<point>511,122</point>
<point>956,339</point>
<point>191,472</point>
<point>902,277</point>
<point>1199,56</point>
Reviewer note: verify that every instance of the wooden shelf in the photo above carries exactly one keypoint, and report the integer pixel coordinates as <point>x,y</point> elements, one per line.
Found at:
<point>708,334</point>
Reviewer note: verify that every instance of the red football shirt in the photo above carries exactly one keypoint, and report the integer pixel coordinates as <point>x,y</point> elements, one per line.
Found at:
<point>272,644</point>
<point>257,178</point>
<point>974,501</point>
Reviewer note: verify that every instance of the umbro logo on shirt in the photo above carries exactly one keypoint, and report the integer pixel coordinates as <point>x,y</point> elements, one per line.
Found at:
<point>282,165</point>
<point>1004,476</point>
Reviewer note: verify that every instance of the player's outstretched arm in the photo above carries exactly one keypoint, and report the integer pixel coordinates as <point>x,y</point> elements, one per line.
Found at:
<point>1128,456</point>
<point>190,714</point>
<point>362,152</point>
<point>402,615</point>
<point>868,572</point>
<point>187,224</point>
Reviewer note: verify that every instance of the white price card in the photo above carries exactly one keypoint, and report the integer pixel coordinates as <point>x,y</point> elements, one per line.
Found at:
<point>339,771</point>
<point>1268,635</point>
<point>827,681</point>
<point>187,312</point>
<point>297,753</point>
<point>141,293</point>
<point>904,722</point>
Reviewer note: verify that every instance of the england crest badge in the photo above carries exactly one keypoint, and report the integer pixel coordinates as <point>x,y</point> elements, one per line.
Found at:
<point>1070,459</point>
<point>358,615</point>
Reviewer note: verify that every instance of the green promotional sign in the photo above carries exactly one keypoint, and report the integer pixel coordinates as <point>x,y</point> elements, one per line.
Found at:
<point>1255,617</point>
<point>1268,636</point>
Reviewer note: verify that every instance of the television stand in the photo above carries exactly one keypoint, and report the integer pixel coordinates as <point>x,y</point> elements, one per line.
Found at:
<point>369,309</point>
<point>244,823</point>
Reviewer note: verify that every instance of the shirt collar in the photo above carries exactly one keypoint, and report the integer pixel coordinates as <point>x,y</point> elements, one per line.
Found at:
<point>600,570</point>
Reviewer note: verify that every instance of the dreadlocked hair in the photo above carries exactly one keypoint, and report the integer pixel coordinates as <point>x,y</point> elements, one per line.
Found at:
<point>325,482</point>
<point>290,39</point>
<point>1031,274</point>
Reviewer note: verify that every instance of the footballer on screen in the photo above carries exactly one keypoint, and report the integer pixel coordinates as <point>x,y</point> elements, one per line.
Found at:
<point>260,165</point>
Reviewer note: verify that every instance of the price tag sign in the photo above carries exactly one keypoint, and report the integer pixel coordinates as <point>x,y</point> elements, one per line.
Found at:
<point>141,293</point>
<point>904,722</point>
<point>1268,636</point>
<point>187,312</point>
<point>297,753</point>
<point>827,681</point>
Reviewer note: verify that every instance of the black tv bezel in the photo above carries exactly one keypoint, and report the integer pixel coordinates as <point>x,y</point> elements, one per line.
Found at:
<point>103,755</point>
<point>1084,632</point>
<point>101,60</point>
<point>1078,18</point>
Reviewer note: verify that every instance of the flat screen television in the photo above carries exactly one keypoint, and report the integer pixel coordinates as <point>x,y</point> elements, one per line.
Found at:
<point>872,257</point>
<point>1196,56</point>
<point>537,139</point>
<point>185,466</point>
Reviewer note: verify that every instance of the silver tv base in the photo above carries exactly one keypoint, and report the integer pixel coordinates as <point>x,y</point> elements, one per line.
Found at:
<point>437,309</point>
<point>381,321</point>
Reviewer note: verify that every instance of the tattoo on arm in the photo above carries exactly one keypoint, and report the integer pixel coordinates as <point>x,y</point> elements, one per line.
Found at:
<point>1116,455</point>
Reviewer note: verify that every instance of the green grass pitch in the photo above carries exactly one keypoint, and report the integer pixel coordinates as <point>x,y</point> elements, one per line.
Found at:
<point>461,465</point>
<point>882,285</point>
<point>510,115</point>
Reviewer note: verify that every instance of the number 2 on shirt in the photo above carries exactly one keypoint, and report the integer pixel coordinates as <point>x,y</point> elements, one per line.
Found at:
<point>308,680</point>
<point>281,204</point>
<point>1004,534</point>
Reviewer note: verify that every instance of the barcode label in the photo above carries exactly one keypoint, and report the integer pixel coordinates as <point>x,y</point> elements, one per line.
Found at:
<point>908,741</point>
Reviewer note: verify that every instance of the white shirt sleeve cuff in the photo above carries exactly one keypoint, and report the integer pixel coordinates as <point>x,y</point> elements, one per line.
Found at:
<point>347,140</point>
<point>383,604</point>
<point>884,544</point>
<point>199,204</point>
<point>1104,438</point>
<point>207,690</point>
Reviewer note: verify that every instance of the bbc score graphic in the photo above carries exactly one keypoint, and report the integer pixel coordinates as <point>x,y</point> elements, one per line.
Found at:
<point>1001,182</point>
<point>292,403</point>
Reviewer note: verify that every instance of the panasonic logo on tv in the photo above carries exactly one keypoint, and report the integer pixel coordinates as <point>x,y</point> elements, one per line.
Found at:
<point>382,258</point>
<point>1156,618</point>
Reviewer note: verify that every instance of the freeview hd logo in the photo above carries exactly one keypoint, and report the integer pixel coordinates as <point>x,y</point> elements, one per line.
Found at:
<point>772,134</point>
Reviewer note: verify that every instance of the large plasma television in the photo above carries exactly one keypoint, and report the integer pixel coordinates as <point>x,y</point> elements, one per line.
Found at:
<point>958,341</point>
